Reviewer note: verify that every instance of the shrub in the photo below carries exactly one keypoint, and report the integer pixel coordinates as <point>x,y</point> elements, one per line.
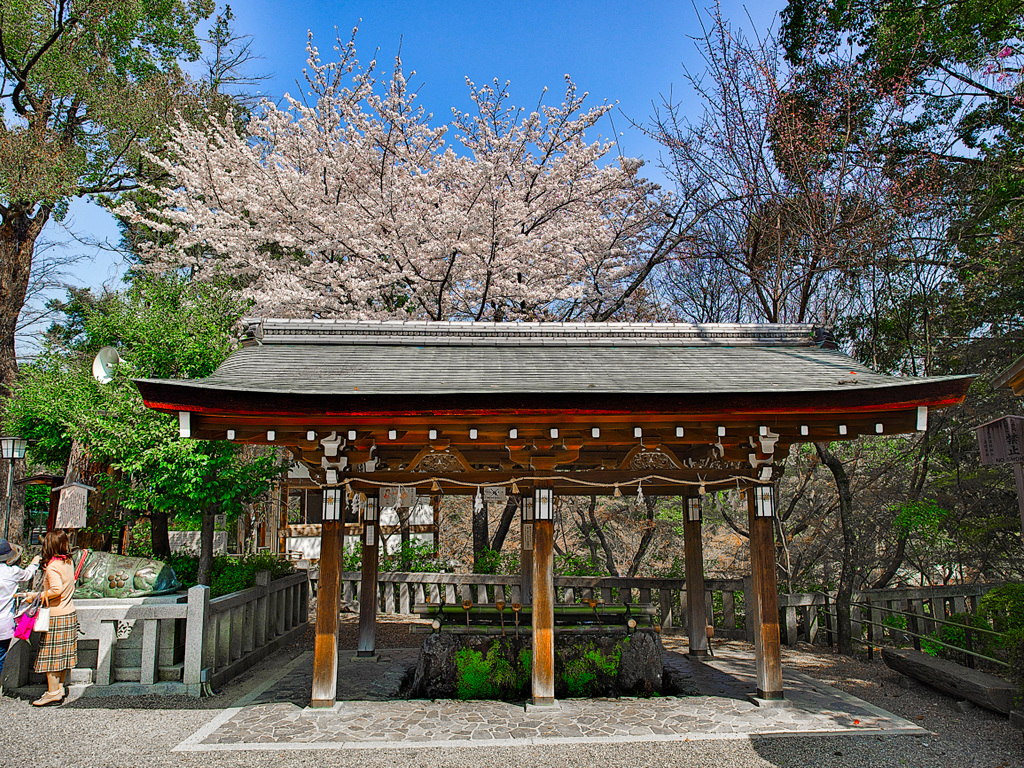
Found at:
<point>494,562</point>
<point>228,574</point>
<point>414,556</point>
<point>1003,607</point>
<point>569,564</point>
<point>954,634</point>
<point>140,539</point>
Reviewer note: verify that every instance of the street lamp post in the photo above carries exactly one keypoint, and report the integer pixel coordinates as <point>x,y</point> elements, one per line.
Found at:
<point>11,448</point>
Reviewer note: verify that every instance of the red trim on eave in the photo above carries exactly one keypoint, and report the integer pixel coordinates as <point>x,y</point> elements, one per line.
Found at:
<point>174,408</point>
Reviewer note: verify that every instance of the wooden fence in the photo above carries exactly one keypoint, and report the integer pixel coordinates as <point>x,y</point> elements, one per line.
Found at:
<point>804,616</point>
<point>399,592</point>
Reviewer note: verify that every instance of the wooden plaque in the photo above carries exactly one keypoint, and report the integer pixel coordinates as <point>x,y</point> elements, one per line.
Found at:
<point>1000,441</point>
<point>73,506</point>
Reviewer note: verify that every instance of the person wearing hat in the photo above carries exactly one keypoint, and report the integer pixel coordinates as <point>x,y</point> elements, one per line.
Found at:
<point>10,576</point>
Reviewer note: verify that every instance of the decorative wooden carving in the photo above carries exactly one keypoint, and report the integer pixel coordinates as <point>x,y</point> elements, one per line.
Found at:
<point>650,457</point>
<point>433,461</point>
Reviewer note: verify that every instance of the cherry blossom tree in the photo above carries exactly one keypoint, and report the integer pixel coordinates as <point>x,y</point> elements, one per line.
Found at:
<point>348,202</point>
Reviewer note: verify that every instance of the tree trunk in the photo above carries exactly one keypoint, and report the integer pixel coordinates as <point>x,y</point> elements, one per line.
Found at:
<point>609,553</point>
<point>16,524</point>
<point>479,530</point>
<point>645,540</point>
<point>507,516</point>
<point>587,530</point>
<point>158,531</point>
<point>848,567</point>
<point>403,535</point>
<point>18,233</point>
<point>205,573</point>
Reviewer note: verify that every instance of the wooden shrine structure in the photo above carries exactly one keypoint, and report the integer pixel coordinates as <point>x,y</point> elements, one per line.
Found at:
<point>544,410</point>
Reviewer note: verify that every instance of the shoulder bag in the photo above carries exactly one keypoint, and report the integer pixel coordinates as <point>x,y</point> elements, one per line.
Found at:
<point>42,622</point>
<point>26,619</point>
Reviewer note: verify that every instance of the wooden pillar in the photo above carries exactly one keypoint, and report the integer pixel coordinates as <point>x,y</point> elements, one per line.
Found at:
<point>1018,475</point>
<point>694,551</point>
<point>325,645</point>
<point>765,601</point>
<point>543,612</point>
<point>435,508</point>
<point>368,589</point>
<point>526,551</point>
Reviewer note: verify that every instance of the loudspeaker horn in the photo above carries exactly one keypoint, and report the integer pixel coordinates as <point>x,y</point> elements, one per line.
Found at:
<point>104,366</point>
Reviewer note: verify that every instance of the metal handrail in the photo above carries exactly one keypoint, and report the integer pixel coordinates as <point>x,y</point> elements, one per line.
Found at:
<point>930,639</point>
<point>877,607</point>
<point>969,652</point>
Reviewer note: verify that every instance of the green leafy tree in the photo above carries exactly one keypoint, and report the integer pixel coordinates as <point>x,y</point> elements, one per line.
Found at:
<point>84,86</point>
<point>162,328</point>
<point>958,65</point>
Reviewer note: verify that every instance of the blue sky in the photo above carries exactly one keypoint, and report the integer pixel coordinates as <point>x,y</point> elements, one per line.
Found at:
<point>625,52</point>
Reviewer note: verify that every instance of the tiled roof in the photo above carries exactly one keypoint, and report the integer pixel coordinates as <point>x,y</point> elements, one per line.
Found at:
<point>342,358</point>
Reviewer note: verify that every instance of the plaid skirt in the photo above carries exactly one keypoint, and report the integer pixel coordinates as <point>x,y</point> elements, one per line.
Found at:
<point>59,650</point>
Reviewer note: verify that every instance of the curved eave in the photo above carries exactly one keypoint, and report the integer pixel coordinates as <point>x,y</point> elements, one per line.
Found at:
<point>171,396</point>
<point>1012,378</point>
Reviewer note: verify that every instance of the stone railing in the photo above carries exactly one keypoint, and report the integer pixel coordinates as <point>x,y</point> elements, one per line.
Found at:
<point>174,644</point>
<point>399,592</point>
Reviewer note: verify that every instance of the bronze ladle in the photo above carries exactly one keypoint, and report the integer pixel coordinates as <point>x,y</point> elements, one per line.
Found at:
<point>516,608</point>
<point>500,605</point>
<point>466,605</point>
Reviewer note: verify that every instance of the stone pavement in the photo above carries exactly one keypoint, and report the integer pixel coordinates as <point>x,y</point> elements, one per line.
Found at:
<point>274,716</point>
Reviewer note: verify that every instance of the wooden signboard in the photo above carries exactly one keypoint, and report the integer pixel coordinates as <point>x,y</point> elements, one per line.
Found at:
<point>1000,442</point>
<point>73,505</point>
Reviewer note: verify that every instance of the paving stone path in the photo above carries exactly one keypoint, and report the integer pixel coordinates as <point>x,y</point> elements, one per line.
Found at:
<point>275,715</point>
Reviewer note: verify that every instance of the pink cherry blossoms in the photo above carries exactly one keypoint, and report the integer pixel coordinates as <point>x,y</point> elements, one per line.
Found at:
<point>348,202</point>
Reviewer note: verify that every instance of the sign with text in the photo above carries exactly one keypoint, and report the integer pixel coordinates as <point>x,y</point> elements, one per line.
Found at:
<point>1000,441</point>
<point>72,506</point>
<point>495,493</point>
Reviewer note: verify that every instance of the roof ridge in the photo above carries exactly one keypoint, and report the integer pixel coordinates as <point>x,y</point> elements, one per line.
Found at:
<point>419,332</point>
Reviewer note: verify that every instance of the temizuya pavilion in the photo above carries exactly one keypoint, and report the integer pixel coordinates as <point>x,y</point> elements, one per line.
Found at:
<point>544,409</point>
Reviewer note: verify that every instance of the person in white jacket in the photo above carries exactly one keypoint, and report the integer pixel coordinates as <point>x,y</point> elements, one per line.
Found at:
<point>10,576</point>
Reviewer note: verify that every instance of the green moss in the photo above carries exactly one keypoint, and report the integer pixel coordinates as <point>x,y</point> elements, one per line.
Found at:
<point>582,675</point>
<point>501,674</point>
<point>474,678</point>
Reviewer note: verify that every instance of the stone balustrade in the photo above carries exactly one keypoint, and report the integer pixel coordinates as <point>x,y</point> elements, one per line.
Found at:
<point>174,644</point>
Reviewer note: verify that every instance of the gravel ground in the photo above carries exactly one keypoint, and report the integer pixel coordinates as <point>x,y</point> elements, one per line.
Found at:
<point>141,731</point>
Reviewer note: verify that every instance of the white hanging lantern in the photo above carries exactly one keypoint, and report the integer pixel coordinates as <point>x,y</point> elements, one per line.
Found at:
<point>544,503</point>
<point>764,500</point>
